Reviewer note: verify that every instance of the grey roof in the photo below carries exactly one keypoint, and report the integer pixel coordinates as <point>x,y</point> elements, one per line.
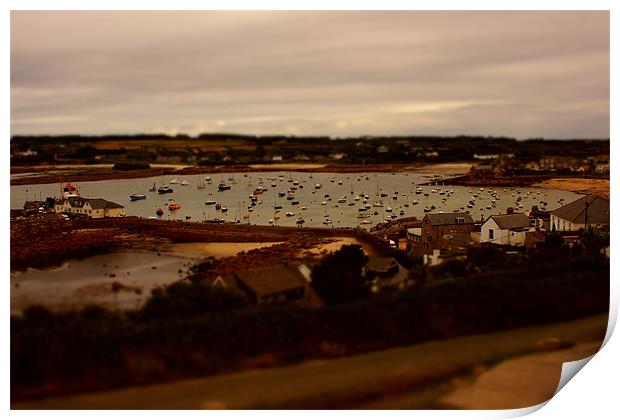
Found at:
<point>511,221</point>
<point>448,218</point>
<point>270,280</point>
<point>95,203</point>
<point>379,264</point>
<point>598,210</point>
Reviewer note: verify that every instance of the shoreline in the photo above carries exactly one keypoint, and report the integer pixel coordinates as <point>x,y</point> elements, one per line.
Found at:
<point>103,173</point>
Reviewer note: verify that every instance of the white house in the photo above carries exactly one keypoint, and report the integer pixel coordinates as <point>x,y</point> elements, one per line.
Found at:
<point>95,208</point>
<point>505,229</point>
<point>591,210</point>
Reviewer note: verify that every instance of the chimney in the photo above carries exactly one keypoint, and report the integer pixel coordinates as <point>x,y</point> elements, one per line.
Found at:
<point>510,210</point>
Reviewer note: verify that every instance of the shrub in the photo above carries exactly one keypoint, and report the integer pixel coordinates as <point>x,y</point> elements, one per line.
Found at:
<point>187,299</point>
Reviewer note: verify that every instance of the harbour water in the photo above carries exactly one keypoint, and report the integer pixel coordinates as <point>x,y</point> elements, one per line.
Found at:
<point>320,199</point>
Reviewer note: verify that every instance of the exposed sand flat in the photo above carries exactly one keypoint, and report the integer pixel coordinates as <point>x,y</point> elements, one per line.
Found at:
<point>336,245</point>
<point>46,168</point>
<point>288,166</point>
<point>578,185</point>
<point>460,168</point>
<point>216,249</point>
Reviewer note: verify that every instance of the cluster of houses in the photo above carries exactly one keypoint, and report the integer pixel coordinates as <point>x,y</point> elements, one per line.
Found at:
<point>502,164</point>
<point>445,234</point>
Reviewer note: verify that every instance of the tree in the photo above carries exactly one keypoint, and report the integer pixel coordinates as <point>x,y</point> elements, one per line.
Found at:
<point>338,278</point>
<point>593,239</point>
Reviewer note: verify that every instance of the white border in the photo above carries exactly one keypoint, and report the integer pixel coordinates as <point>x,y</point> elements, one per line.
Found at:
<point>592,394</point>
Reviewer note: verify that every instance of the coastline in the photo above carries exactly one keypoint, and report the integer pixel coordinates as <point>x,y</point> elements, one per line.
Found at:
<point>50,174</point>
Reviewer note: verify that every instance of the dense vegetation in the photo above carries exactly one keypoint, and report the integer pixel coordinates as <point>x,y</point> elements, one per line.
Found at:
<point>191,329</point>
<point>211,149</point>
<point>338,277</point>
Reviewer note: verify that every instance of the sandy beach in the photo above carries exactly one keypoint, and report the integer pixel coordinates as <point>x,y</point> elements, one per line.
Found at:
<point>579,185</point>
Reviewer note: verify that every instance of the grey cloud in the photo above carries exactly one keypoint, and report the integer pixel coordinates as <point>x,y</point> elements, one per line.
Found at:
<point>337,73</point>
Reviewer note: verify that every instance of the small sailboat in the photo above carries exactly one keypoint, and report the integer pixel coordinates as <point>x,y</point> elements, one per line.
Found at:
<point>222,186</point>
<point>153,188</point>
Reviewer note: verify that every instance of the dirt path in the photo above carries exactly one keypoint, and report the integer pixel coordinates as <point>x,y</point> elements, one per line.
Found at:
<point>347,382</point>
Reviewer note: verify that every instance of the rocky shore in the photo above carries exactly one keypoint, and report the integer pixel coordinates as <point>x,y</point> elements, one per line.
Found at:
<point>40,242</point>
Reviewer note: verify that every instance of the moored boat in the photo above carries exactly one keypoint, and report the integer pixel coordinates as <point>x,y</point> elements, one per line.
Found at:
<point>135,197</point>
<point>164,189</point>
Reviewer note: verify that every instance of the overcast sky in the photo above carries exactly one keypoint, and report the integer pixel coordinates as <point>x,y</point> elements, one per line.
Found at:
<point>518,74</point>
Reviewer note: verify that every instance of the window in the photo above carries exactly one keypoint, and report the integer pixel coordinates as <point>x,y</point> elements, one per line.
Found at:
<point>491,234</point>
<point>460,220</point>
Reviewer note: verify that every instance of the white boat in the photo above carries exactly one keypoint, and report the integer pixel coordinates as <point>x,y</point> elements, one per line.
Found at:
<point>135,197</point>
<point>185,182</point>
<point>366,222</point>
<point>290,214</point>
<point>174,181</point>
<point>388,209</point>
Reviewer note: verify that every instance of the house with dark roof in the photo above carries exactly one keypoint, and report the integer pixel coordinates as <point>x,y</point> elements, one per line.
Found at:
<point>590,210</point>
<point>506,229</point>
<point>385,272</point>
<point>95,208</point>
<point>264,285</point>
<point>446,231</point>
